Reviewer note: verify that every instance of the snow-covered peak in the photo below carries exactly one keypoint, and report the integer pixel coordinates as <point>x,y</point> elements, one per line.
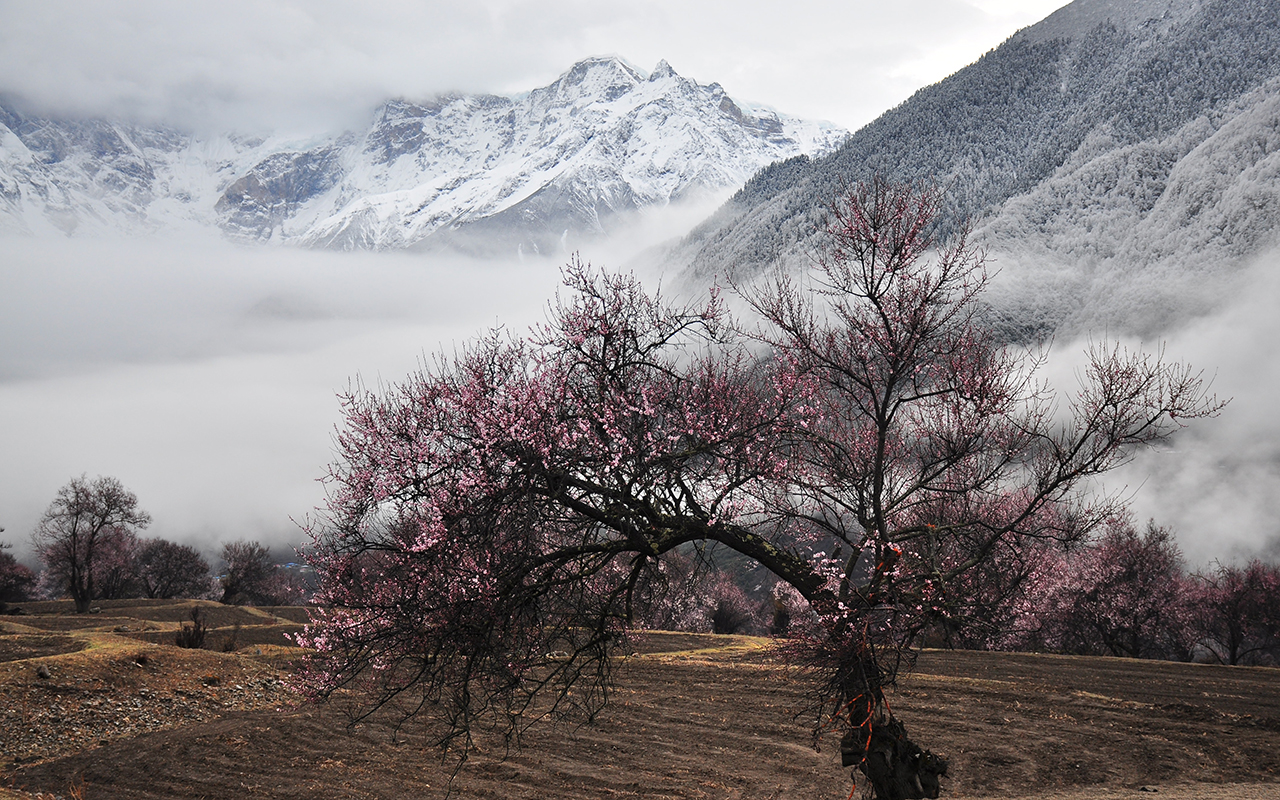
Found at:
<point>662,71</point>
<point>592,79</point>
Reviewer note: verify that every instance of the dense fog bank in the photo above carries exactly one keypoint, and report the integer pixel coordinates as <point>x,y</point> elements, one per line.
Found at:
<point>1218,486</point>
<point>204,376</point>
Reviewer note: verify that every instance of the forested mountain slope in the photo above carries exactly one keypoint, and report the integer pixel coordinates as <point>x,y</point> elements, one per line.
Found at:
<point>1115,149</point>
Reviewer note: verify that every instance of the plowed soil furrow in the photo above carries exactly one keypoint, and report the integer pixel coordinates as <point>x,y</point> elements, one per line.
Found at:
<point>693,716</point>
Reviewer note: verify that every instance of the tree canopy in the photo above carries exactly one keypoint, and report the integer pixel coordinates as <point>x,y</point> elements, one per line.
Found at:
<point>865,439</point>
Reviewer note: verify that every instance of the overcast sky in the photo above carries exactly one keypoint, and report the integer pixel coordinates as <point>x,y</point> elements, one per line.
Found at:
<point>326,63</point>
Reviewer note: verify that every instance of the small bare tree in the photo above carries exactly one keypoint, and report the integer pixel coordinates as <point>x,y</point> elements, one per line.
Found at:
<point>1239,613</point>
<point>83,523</point>
<point>251,578</point>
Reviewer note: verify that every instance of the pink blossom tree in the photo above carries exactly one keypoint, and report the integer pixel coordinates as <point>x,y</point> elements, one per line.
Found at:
<point>994,605</point>
<point>1125,594</point>
<point>113,568</point>
<point>509,500</point>
<point>80,535</point>
<point>116,569</point>
<point>1239,613</point>
<point>931,452</point>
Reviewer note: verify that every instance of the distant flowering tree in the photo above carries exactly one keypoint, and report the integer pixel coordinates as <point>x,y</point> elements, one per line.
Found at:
<point>671,597</point>
<point>117,568</point>
<point>994,605</point>
<point>16,580</point>
<point>1124,595</point>
<point>731,610</point>
<point>83,533</point>
<point>682,594</point>
<point>113,569</point>
<point>508,502</point>
<point>1239,613</point>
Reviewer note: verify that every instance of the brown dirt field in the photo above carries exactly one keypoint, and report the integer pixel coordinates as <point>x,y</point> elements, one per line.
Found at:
<point>288,613</point>
<point>694,716</point>
<point>60,614</point>
<point>14,648</point>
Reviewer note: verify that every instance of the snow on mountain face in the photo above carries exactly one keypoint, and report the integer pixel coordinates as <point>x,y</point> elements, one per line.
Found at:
<point>1077,20</point>
<point>478,172</point>
<point>1149,229</point>
<point>600,141</point>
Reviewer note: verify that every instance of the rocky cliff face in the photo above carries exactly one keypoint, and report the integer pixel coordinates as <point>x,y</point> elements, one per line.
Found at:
<point>565,161</point>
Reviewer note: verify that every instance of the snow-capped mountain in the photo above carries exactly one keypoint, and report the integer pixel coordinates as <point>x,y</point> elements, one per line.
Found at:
<point>1118,160</point>
<point>474,171</point>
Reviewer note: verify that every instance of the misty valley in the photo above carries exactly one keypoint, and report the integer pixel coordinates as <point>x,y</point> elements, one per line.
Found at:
<point>623,437</point>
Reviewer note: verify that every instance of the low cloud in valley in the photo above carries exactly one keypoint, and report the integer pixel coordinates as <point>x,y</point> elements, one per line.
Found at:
<point>205,376</point>
<point>1217,484</point>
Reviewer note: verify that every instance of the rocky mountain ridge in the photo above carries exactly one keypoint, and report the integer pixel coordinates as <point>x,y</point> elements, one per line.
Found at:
<point>562,162</point>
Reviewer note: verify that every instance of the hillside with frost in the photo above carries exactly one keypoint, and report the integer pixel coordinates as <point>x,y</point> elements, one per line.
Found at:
<point>1119,160</point>
<point>545,169</point>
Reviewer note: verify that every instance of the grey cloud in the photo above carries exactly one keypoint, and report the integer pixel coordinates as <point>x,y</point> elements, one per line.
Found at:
<point>204,377</point>
<point>287,64</point>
